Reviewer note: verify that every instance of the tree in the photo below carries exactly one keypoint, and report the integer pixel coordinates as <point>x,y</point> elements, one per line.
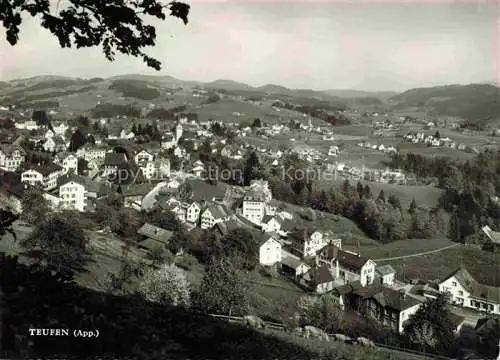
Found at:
<point>167,285</point>
<point>241,244</point>
<point>431,325</point>
<point>116,25</point>
<point>35,206</point>
<point>251,169</point>
<point>413,206</point>
<point>257,123</point>
<point>394,201</point>
<point>59,243</point>
<point>368,192</point>
<point>39,116</point>
<point>157,255</point>
<point>77,140</point>
<point>360,189</point>
<point>381,196</point>
<point>437,135</point>
<point>323,313</point>
<point>222,290</point>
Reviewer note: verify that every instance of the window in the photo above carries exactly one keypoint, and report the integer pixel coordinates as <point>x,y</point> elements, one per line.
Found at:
<point>461,293</point>
<point>454,283</point>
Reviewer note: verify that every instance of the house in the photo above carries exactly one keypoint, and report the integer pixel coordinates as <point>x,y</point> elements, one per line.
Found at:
<point>60,129</point>
<point>154,236</point>
<point>261,186</point>
<point>44,175</point>
<point>214,214</point>
<point>11,157</point>
<point>492,237</point>
<point>292,265</point>
<point>465,291</point>
<point>322,279</point>
<point>112,162</point>
<point>312,242</point>
<point>91,153</point>
<point>386,274</point>
<point>134,194</point>
<point>73,196</point>
<point>347,266</point>
<point>271,224</point>
<point>54,144</point>
<point>143,156</point>
<point>488,331</point>
<point>391,307</point>
<point>69,163</point>
<point>193,212</point>
<point>168,141</point>
<point>27,125</point>
<point>270,251</point>
<point>254,204</point>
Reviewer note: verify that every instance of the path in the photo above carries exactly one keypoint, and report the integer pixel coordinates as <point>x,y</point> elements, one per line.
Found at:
<point>418,254</point>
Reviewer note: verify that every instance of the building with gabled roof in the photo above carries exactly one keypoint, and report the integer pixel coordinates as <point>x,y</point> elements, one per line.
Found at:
<point>45,175</point>
<point>466,291</point>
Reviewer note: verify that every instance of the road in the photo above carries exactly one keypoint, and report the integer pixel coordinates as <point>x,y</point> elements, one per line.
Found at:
<point>418,254</point>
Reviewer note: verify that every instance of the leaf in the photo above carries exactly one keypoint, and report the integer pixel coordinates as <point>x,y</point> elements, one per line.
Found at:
<point>180,10</point>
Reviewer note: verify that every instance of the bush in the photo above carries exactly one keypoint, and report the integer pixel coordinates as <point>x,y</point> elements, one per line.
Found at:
<point>268,271</point>
<point>186,262</point>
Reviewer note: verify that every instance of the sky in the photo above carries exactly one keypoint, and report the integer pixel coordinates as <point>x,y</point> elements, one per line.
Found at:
<point>323,44</point>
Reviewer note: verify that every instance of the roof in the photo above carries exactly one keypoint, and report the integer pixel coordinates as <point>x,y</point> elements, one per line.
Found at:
<point>137,189</point>
<point>46,169</point>
<point>113,158</point>
<point>329,251</point>
<point>322,275</point>
<point>484,325</point>
<point>155,233</point>
<point>351,261</point>
<point>456,320</point>
<point>254,196</point>
<point>291,262</point>
<point>477,290</point>
<point>393,299</point>
<point>385,270</point>
<point>494,236</point>
<point>218,211</point>
<point>201,190</point>
<point>226,227</point>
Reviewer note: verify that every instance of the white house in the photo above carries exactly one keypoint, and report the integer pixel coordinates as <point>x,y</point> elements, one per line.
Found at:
<point>271,224</point>
<point>386,274</point>
<point>313,242</point>
<point>73,196</point>
<point>44,175</point>
<point>168,141</point>
<point>143,156</point>
<point>465,291</point>
<point>27,125</point>
<point>254,206</point>
<point>270,251</point>
<point>55,143</point>
<point>11,158</point>
<point>193,213</point>
<point>347,266</point>
<point>262,186</point>
<point>69,162</point>
<point>213,215</point>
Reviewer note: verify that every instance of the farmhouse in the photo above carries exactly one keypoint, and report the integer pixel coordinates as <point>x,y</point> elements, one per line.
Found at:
<point>270,251</point>
<point>11,158</point>
<point>465,291</point>
<point>73,196</point>
<point>214,214</point>
<point>492,237</point>
<point>154,236</point>
<point>44,175</point>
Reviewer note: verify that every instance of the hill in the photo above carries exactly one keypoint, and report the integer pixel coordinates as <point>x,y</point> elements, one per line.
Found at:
<point>477,104</point>
<point>381,95</point>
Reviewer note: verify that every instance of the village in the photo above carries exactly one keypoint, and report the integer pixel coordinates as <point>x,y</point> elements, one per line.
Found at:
<point>146,179</point>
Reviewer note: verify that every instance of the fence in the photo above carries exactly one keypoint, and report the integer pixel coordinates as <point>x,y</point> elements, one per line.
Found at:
<point>281,327</point>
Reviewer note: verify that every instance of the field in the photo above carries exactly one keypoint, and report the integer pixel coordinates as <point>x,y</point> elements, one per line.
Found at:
<point>401,247</point>
<point>427,196</point>
<point>483,265</point>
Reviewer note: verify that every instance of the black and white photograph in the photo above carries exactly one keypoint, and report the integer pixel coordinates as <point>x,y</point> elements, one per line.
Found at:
<point>250,179</point>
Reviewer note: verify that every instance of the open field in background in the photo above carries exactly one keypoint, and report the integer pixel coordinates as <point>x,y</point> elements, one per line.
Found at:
<point>400,247</point>
<point>427,196</point>
<point>483,265</point>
